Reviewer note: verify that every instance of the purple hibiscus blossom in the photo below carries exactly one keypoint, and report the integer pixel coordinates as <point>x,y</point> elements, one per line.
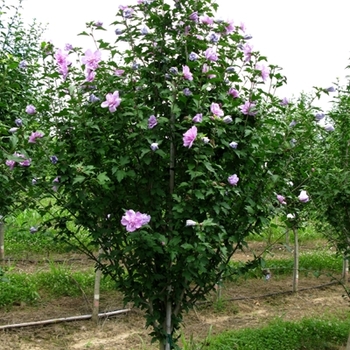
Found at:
<point>216,110</point>
<point>189,136</point>
<point>281,199</point>
<point>35,135</point>
<point>211,55</point>
<point>303,197</point>
<point>187,73</point>
<point>134,220</point>
<point>91,59</point>
<point>112,101</point>
<point>248,108</point>
<point>197,118</point>
<point>233,180</point>
<point>152,122</point>
<point>30,109</point>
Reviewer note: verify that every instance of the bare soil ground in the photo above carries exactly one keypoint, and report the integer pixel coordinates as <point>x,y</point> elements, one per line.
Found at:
<point>248,303</point>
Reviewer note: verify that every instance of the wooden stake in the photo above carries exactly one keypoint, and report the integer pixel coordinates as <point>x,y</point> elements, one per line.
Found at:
<point>2,241</point>
<point>296,261</point>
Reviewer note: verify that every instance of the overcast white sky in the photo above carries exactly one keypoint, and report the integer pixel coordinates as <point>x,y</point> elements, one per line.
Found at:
<point>309,39</point>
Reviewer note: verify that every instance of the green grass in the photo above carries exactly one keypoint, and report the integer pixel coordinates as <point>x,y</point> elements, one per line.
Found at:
<point>59,281</point>
<point>307,334</point>
<point>20,242</point>
<point>276,232</point>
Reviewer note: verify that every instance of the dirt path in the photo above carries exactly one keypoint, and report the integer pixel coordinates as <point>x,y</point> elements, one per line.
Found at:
<point>127,332</point>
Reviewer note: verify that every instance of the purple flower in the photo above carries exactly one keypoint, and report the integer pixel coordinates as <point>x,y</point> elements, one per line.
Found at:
<point>227,119</point>
<point>187,73</point>
<point>133,221</point>
<point>205,68</point>
<point>144,30</point>
<point>173,70</point>
<point>33,229</point>
<point>319,116</point>
<point>56,179</point>
<point>214,38</point>
<point>187,92</point>
<point>93,98</point>
<point>205,139</point>
<point>112,101</point>
<point>191,223</point>
<point>13,130</point>
<point>18,122</point>
<point>230,27</point>
<point>154,146</point>
<point>127,13</point>
<point>197,118</point>
<point>292,123</point>
<point>35,135</point>
<point>330,89</point>
<point>216,110</point>
<point>247,50</point>
<point>233,92</point>
<point>62,62</point>
<point>233,180</point>
<point>193,56</point>
<point>98,24</point>
<point>248,108</point>
<point>329,127</point>
<point>207,20</point>
<point>211,55</point>
<point>119,31</point>
<point>230,69</point>
<point>265,71</point>
<point>189,136</point>
<point>26,162</point>
<point>53,159</point>
<point>23,64</point>
<point>119,72</point>
<point>247,37</point>
<point>30,109</point>
<point>91,59</point>
<point>10,163</point>
<point>152,122</point>
<point>284,101</point>
<point>233,144</point>
<point>194,16</point>
<point>303,197</point>
<point>68,47</point>
<point>281,199</point>
<point>90,75</point>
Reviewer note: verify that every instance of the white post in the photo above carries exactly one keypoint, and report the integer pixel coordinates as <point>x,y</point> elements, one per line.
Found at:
<point>96,304</point>
<point>345,274</point>
<point>2,241</point>
<point>296,261</point>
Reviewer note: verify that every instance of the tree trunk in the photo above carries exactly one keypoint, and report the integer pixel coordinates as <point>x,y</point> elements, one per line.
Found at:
<point>2,241</point>
<point>165,344</point>
<point>296,261</point>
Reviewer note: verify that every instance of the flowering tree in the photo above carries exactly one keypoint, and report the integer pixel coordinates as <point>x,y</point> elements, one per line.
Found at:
<point>18,63</point>
<point>331,183</point>
<point>166,146</point>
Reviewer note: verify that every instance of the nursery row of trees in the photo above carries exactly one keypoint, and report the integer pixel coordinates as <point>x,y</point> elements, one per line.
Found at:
<point>168,146</point>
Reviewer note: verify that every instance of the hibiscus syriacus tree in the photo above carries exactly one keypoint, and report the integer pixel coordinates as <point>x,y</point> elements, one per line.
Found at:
<point>19,52</point>
<point>331,179</point>
<point>165,146</point>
